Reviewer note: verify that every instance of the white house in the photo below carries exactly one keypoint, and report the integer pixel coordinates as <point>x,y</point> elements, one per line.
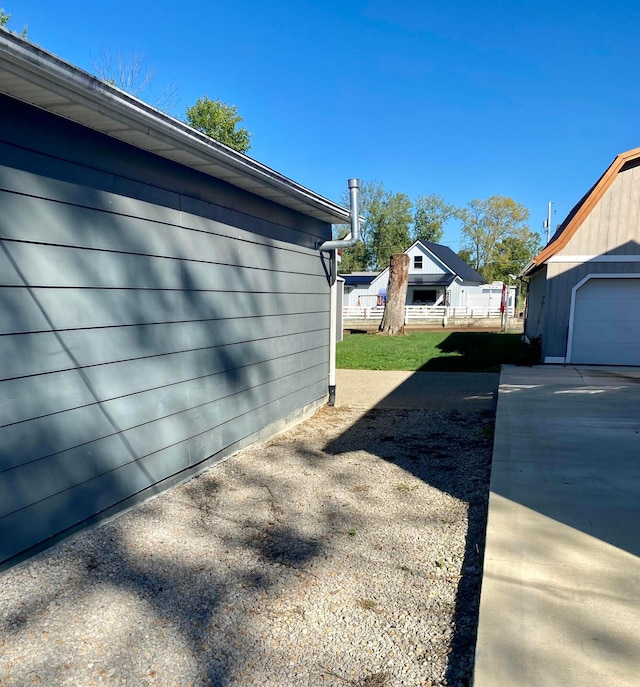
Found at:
<point>437,276</point>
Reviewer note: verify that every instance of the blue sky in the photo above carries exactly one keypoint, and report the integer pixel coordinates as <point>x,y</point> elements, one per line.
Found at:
<point>465,99</point>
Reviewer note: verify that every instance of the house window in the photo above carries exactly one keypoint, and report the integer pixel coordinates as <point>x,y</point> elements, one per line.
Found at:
<point>425,296</point>
<point>417,262</point>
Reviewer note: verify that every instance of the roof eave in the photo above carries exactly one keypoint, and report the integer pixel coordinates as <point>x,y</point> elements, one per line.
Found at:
<point>436,258</point>
<point>587,204</point>
<point>529,269</point>
<point>35,76</point>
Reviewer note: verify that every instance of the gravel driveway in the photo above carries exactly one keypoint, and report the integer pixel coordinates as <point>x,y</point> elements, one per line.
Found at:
<point>346,551</point>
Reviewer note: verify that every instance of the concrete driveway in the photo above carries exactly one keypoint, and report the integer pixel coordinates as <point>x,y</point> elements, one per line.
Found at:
<point>560,601</point>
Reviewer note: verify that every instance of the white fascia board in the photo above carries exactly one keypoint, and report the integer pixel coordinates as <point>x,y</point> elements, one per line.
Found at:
<point>49,75</point>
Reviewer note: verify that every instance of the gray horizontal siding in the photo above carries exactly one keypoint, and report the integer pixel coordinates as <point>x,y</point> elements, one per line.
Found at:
<point>62,151</point>
<point>125,225</point>
<point>40,309</point>
<point>38,353</point>
<point>29,397</point>
<point>561,278</point>
<point>27,441</point>
<point>41,478</point>
<point>36,523</point>
<point>40,265</point>
<point>153,319</point>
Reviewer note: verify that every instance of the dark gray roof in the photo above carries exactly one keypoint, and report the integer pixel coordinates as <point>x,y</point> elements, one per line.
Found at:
<point>453,262</point>
<point>357,278</point>
<point>431,279</point>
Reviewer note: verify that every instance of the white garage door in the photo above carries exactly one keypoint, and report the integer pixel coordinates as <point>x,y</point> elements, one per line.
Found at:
<point>606,323</point>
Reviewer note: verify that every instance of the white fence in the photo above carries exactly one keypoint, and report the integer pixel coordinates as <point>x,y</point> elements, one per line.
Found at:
<point>421,313</point>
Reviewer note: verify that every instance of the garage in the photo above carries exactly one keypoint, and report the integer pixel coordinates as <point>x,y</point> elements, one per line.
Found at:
<point>164,302</point>
<point>606,322</point>
<point>583,295</point>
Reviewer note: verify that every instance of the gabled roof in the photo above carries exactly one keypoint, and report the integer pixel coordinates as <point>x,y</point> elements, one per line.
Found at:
<point>581,211</point>
<point>456,266</point>
<point>454,262</point>
<point>39,78</point>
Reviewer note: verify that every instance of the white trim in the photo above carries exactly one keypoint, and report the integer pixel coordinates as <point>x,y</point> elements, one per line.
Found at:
<point>594,258</point>
<point>572,309</point>
<point>554,360</point>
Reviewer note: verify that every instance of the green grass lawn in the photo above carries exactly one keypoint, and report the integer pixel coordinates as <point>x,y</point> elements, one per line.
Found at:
<point>438,351</point>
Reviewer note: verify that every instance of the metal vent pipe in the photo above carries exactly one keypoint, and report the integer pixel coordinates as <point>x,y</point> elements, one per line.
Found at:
<point>354,185</point>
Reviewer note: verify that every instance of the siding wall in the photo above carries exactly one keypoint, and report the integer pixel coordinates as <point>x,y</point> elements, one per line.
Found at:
<point>153,320</point>
<point>613,226</point>
<point>561,278</point>
<point>458,293</point>
<point>367,294</point>
<point>536,298</point>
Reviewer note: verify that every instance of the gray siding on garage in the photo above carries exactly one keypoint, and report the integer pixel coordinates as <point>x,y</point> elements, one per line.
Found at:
<point>153,318</point>
<point>536,297</point>
<point>561,279</point>
<point>611,228</point>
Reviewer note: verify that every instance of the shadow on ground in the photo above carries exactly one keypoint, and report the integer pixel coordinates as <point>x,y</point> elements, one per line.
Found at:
<point>201,563</point>
<point>475,352</point>
<point>456,463</point>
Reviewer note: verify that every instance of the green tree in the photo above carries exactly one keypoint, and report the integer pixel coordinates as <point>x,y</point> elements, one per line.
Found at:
<point>390,232</point>
<point>486,225</point>
<point>4,21</point>
<point>513,254</point>
<point>358,257</point>
<point>219,121</point>
<point>430,215</point>
<point>383,232</point>
<point>355,259</point>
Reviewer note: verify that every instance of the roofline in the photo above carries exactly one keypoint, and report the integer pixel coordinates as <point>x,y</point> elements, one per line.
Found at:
<point>579,213</point>
<point>421,242</point>
<point>144,126</point>
<point>434,256</point>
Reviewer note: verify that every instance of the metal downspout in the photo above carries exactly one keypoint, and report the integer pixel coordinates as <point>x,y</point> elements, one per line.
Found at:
<point>333,334</point>
<point>333,246</point>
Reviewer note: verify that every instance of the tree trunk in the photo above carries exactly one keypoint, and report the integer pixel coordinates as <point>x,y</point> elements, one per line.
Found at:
<point>393,317</point>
